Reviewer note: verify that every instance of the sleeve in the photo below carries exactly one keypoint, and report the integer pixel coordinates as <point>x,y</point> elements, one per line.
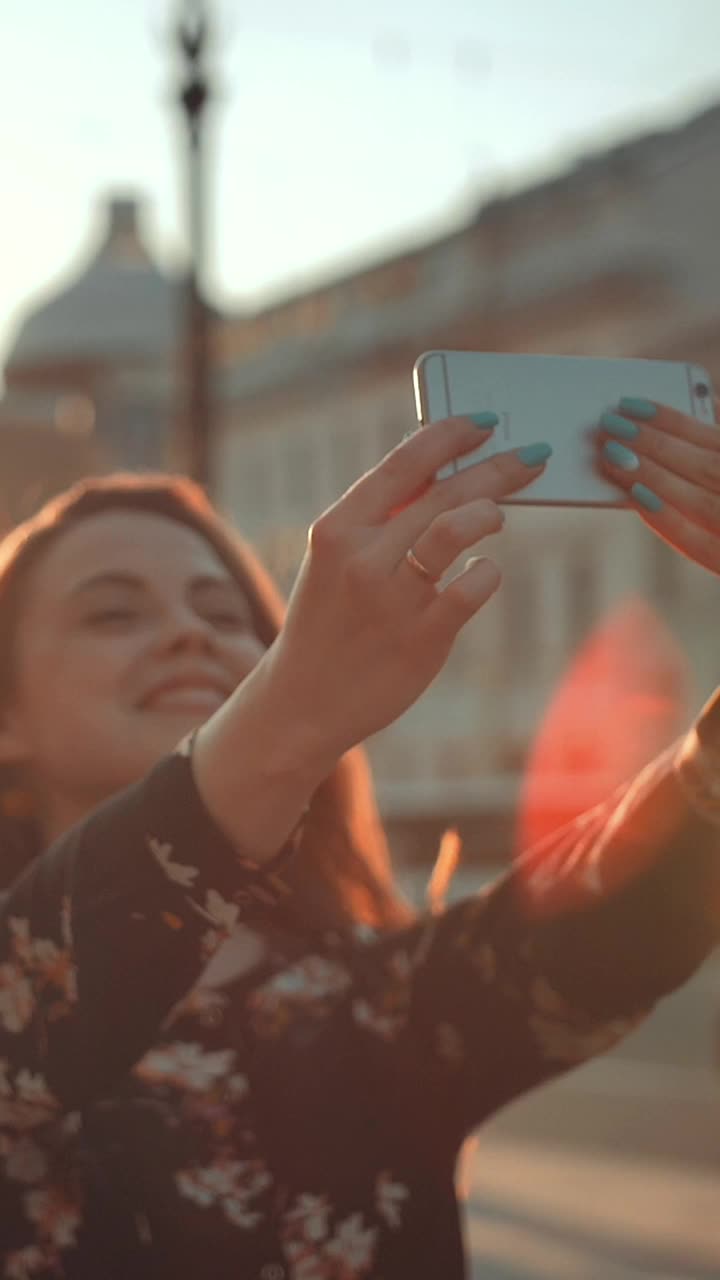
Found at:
<point>557,960</point>
<point>108,929</point>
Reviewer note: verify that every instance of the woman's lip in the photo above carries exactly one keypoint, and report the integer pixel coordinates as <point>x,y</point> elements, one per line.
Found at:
<point>192,697</point>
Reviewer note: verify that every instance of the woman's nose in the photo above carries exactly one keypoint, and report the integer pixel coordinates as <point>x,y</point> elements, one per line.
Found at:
<point>189,631</point>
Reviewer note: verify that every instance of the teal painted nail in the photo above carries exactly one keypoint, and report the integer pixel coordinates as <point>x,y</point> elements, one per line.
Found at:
<point>646,498</point>
<point>638,408</point>
<point>486,420</point>
<point>617,426</point>
<point>533,455</point>
<point>620,456</point>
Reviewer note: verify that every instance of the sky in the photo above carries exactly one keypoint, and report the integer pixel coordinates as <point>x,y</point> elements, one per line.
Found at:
<point>340,133</point>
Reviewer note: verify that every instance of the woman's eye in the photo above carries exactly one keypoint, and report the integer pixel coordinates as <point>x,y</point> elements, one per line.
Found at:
<point>227,619</point>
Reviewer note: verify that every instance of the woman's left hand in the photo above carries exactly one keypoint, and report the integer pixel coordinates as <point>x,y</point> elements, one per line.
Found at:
<point>669,466</point>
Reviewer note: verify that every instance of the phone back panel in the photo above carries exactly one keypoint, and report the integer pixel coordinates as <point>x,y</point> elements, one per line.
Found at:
<point>555,398</point>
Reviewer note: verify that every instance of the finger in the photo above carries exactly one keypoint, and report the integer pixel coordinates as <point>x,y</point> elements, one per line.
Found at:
<point>463,597</point>
<point>659,417</point>
<point>700,546</point>
<point>682,514</point>
<point>500,474</point>
<point>677,454</point>
<point>449,534</point>
<point>409,469</point>
<point>631,470</point>
<point>494,478</point>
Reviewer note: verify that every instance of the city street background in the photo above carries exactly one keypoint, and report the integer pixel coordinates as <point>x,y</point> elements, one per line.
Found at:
<point>368,184</point>
<point>613,1172</point>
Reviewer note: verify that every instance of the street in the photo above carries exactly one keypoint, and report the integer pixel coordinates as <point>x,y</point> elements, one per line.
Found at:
<point>612,1173</point>
<point>543,1212</point>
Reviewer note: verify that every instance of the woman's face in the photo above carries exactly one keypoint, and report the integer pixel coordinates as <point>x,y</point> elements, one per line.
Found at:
<point>131,634</point>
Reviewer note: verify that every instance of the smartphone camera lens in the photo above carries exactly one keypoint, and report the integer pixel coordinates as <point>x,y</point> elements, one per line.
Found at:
<point>702,390</point>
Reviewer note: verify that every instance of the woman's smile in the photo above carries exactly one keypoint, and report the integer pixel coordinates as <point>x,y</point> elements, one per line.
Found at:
<point>185,698</point>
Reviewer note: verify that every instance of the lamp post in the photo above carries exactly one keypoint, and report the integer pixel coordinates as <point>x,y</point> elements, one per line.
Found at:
<point>192,34</point>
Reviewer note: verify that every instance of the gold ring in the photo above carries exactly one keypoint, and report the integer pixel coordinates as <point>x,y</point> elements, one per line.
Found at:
<point>419,567</point>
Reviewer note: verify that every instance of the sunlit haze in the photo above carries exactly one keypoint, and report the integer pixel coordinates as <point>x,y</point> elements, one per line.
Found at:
<point>340,133</point>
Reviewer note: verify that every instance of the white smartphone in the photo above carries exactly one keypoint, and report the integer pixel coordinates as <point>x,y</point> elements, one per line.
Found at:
<point>555,398</point>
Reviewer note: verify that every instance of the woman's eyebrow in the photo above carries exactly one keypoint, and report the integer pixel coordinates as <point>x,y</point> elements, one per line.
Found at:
<point>114,579</point>
<point>119,578</point>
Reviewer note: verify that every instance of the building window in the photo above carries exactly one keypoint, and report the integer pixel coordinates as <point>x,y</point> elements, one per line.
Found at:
<point>390,283</point>
<point>251,494</point>
<point>666,572</point>
<point>580,595</point>
<point>390,433</point>
<point>349,461</point>
<point>298,463</point>
<point>517,600</point>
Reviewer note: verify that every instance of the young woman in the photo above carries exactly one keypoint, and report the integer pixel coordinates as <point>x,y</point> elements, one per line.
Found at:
<point>227,1046</point>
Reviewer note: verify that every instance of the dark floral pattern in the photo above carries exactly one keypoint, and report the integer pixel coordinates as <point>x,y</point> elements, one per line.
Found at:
<point>303,1121</point>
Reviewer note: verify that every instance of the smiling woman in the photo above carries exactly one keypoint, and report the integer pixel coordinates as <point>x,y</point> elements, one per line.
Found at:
<point>110,616</point>
<point>130,629</point>
<point>129,613</point>
<point>228,1048</point>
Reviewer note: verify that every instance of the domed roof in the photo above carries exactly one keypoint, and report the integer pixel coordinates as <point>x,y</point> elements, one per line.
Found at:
<point>121,305</point>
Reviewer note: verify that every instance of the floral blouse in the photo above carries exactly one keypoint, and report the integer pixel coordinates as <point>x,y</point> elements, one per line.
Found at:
<point>302,1121</point>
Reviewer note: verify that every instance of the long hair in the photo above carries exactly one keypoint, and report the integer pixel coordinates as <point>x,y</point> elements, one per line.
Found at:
<point>342,874</point>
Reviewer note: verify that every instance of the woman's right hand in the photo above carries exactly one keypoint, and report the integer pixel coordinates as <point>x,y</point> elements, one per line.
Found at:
<point>365,633</point>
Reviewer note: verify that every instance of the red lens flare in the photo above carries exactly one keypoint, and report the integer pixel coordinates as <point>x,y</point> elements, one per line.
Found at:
<point>623,700</point>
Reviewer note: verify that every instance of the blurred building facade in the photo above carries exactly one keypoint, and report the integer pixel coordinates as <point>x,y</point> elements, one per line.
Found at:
<point>616,257</point>
<point>92,376</point>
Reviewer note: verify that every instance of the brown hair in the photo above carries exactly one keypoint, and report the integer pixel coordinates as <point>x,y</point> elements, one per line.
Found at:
<point>342,874</point>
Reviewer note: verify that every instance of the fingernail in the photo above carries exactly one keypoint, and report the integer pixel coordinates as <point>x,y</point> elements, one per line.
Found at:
<point>620,456</point>
<point>486,420</point>
<point>646,498</point>
<point>638,408</point>
<point>617,426</point>
<point>533,455</point>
